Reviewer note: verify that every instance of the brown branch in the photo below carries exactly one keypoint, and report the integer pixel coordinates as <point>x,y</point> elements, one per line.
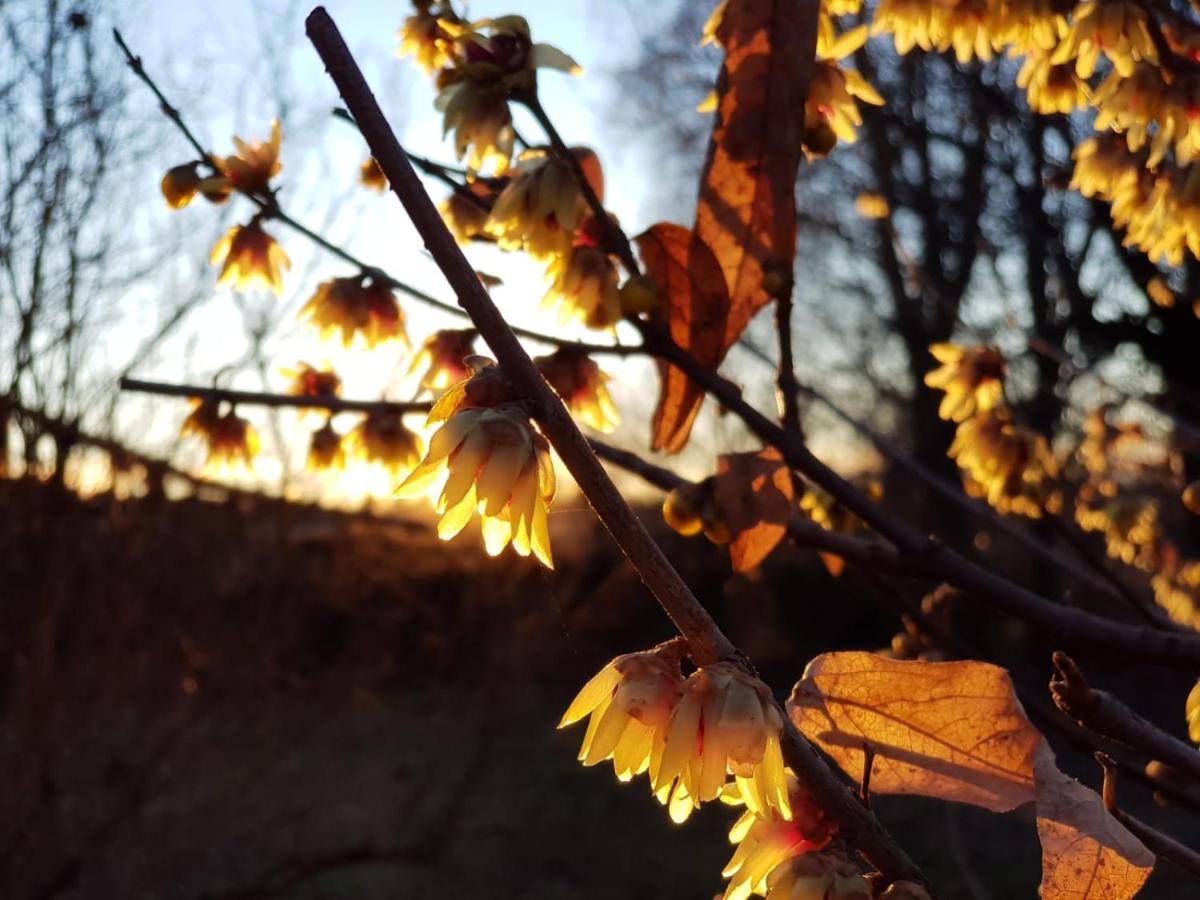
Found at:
<point>260,398</point>
<point>706,640</point>
<point>785,378</point>
<point>926,556</point>
<point>1104,714</point>
<point>1162,845</point>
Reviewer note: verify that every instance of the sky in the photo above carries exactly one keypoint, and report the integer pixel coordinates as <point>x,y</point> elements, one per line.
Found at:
<point>231,67</point>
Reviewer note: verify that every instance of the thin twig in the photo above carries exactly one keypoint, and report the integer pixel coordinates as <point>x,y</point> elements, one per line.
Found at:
<point>262,398</point>
<point>1104,714</point>
<point>785,378</point>
<point>618,241</point>
<point>1159,844</point>
<point>269,205</point>
<point>706,640</point>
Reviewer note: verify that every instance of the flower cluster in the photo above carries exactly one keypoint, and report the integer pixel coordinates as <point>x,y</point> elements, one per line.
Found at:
<point>1006,463</point>
<point>712,735</point>
<point>230,440</point>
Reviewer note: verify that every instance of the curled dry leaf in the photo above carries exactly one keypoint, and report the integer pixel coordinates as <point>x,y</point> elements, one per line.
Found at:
<point>956,731</point>
<point>753,494</point>
<point>694,306</point>
<point>747,208</point>
<point>716,277</point>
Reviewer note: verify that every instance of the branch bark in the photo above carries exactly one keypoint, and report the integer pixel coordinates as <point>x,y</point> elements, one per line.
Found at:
<point>707,642</point>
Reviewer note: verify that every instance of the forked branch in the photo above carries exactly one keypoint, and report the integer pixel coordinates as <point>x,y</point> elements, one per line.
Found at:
<point>708,644</point>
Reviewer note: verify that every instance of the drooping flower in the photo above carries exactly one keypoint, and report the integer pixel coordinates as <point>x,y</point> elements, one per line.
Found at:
<point>831,110</point>
<point>725,724</point>
<point>578,380</point>
<point>441,358</point>
<point>467,209</point>
<point>370,175</point>
<point>628,701</point>
<point>493,462</point>
<point>358,306</point>
<point>251,169</point>
<point>972,377</point>
<point>1116,28</point>
<point>309,381</point>
<point>492,61</point>
<point>765,840</point>
<point>1051,88</point>
<point>692,507</point>
<point>542,205</point>
<point>583,287</point>
<point>325,449</point>
<point>231,440</point>
<point>424,39</point>
<point>1008,464</point>
<point>382,438</point>
<point>180,184</point>
<point>480,120</point>
<point>250,257</point>
<point>817,876</point>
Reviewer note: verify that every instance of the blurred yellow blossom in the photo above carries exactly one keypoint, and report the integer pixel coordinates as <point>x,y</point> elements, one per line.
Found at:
<point>250,257</point>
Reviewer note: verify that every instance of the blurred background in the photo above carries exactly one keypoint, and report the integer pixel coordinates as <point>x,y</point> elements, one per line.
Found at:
<point>275,683</point>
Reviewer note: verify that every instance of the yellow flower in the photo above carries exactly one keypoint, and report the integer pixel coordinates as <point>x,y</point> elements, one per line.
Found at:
<point>972,377</point>
<point>466,211</point>
<point>479,117</point>
<point>582,386</point>
<point>1116,28</point>
<point>1052,89</point>
<point>371,176</point>
<point>817,876</point>
<point>359,306</point>
<point>725,724</point>
<point>1008,464</point>
<point>443,358</point>
<point>1191,497</point>
<point>1103,444</point>
<point>872,206</point>
<point>1029,27</point>
<point>423,37</point>
<point>494,462</point>
<point>1157,290</point>
<point>692,508</point>
<point>1129,524</point>
<point>231,440</point>
<point>1192,708</point>
<point>382,438</point>
<point>628,702</point>
<point>542,205</point>
<point>251,257</point>
<point>910,22</point>
<point>309,381</point>
<point>1104,168</point>
<point>765,840</point>
<point>583,287</point>
<point>325,450</point>
<point>180,184</point>
<point>500,51</point>
<point>251,169</point>
<point>832,106</point>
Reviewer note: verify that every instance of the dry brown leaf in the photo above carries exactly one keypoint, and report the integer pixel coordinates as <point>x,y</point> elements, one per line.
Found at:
<point>955,731</point>
<point>947,730</point>
<point>753,493</point>
<point>694,305</point>
<point>747,208</point>
<point>1086,853</point>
